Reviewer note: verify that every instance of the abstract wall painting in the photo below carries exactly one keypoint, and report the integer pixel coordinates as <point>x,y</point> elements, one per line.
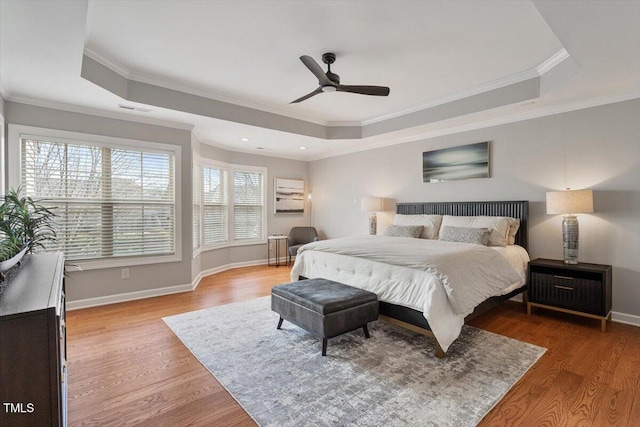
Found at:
<point>463,162</point>
<point>289,196</point>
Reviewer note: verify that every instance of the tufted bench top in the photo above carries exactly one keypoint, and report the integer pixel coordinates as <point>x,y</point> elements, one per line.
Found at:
<point>324,296</point>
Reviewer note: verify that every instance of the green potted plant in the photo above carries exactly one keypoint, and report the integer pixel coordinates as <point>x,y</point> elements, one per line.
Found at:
<point>24,226</point>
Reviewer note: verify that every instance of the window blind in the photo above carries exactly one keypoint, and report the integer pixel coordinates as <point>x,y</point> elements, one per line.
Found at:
<point>248,196</point>
<point>109,202</point>
<point>215,204</point>
<point>197,203</point>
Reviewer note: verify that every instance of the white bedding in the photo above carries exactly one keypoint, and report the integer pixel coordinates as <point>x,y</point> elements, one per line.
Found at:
<point>406,281</point>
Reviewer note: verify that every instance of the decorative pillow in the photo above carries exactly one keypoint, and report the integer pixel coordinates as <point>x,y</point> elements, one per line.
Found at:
<point>514,225</point>
<point>478,236</point>
<point>403,231</point>
<point>499,226</point>
<point>430,223</point>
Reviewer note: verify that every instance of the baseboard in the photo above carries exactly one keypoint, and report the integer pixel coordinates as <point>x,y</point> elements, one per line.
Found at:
<point>629,319</point>
<point>128,296</point>
<point>226,267</point>
<point>150,293</point>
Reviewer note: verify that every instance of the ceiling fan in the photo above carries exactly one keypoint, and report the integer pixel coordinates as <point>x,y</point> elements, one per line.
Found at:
<point>330,82</point>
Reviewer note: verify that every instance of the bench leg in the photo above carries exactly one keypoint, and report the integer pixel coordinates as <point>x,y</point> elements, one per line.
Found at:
<point>324,346</point>
<point>365,329</point>
<point>280,323</point>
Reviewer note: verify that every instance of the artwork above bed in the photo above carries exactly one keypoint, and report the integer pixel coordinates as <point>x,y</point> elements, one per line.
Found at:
<point>454,163</point>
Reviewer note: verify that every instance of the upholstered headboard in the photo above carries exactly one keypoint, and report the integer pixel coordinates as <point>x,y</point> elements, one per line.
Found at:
<point>513,209</point>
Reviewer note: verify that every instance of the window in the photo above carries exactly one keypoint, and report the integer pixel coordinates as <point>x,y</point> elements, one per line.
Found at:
<point>248,204</point>
<point>111,201</point>
<point>216,197</point>
<point>233,204</point>
<point>197,201</point>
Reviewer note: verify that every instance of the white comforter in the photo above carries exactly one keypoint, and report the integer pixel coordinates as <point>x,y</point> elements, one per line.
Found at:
<point>444,280</point>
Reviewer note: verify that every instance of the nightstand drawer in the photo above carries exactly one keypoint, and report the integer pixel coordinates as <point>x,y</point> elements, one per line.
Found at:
<point>567,292</point>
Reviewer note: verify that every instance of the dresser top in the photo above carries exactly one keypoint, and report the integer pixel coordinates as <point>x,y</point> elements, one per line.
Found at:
<point>581,266</point>
<point>34,285</point>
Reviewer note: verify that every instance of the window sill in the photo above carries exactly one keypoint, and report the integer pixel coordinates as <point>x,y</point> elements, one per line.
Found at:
<point>233,244</point>
<point>123,262</point>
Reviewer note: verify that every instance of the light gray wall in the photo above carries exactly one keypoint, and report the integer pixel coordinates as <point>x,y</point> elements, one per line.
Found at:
<point>276,168</point>
<point>103,282</point>
<point>597,148</point>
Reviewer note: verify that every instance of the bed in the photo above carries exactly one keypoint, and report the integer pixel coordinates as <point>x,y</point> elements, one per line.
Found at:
<point>414,295</point>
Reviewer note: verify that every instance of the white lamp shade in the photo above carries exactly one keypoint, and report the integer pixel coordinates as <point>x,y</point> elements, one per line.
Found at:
<point>371,204</point>
<point>569,202</point>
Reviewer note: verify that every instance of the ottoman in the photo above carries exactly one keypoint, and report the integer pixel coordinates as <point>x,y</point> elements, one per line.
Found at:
<point>324,307</point>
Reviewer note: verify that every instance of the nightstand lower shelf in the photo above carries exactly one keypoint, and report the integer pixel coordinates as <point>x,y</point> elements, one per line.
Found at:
<point>603,319</point>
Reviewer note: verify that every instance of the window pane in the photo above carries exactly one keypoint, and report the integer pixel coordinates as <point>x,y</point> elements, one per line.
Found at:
<point>197,203</point>
<point>248,205</point>
<point>109,202</point>
<point>214,205</point>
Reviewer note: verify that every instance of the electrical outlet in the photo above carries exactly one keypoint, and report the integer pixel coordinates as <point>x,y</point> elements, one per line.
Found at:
<point>125,273</point>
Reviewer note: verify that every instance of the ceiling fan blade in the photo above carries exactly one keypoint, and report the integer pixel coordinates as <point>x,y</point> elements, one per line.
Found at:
<point>364,90</point>
<point>313,66</point>
<point>307,96</point>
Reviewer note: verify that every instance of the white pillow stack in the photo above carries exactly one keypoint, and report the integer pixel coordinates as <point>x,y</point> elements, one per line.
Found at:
<point>499,226</point>
<point>430,224</point>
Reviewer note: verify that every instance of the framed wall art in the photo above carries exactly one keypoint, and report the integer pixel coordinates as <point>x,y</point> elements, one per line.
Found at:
<point>463,162</point>
<point>289,196</point>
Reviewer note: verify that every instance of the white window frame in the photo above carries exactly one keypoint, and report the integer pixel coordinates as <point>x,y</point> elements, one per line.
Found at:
<point>226,167</point>
<point>17,132</point>
<point>231,168</point>
<point>196,164</point>
<point>232,238</point>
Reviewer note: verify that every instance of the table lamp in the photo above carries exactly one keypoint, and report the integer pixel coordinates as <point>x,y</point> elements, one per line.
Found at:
<point>569,203</point>
<point>371,205</point>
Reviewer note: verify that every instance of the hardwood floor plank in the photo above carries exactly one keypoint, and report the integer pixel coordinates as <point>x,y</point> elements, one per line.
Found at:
<point>127,367</point>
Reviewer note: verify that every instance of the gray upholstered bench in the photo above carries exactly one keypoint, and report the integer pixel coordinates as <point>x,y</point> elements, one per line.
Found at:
<point>324,307</point>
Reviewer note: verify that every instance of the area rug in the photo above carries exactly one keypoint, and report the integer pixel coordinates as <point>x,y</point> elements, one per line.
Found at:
<point>393,379</point>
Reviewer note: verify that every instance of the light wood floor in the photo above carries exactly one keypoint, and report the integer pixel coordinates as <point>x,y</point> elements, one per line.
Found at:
<point>127,368</point>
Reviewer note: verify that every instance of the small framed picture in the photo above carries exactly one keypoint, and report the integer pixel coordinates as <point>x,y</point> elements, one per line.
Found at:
<point>289,196</point>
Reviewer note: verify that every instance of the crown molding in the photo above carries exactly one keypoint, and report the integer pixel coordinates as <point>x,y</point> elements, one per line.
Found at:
<point>197,91</point>
<point>112,65</point>
<point>538,71</point>
<point>476,90</point>
<point>529,115</point>
<point>97,112</point>
<point>547,65</point>
<point>3,88</point>
<point>554,60</point>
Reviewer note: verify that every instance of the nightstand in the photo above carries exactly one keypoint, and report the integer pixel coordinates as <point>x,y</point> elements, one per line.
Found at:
<point>581,289</point>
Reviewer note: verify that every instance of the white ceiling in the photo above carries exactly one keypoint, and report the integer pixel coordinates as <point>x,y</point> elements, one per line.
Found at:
<point>246,53</point>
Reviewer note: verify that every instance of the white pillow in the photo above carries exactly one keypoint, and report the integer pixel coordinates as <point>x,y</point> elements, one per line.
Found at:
<point>499,226</point>
<point>403,231</point>
<point>430,224</point>
<point>478,236</point>
<point>514,225</point>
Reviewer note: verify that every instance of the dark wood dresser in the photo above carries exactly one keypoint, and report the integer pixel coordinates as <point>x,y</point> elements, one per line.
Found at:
<point>582,289</point>
<point>33,343</point>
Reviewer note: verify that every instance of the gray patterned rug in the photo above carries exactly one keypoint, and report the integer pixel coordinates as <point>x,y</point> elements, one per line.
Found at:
<point>392,379</point>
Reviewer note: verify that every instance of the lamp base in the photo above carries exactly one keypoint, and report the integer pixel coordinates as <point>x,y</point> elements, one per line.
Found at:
<point>570,239</point>
<point>373,224</point>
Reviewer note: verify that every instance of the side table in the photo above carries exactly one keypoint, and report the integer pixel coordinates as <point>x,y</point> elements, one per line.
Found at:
<point>581,289</point>
<point>276,239</point>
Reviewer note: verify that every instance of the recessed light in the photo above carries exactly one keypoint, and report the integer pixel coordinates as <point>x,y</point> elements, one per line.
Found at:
<point>303,148</point>
<point>244,139</point>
